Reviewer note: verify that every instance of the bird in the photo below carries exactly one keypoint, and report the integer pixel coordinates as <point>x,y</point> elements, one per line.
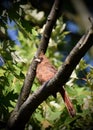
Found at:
<point>45,71</point>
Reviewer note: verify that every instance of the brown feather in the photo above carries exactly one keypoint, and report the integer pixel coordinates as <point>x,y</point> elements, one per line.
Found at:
<point>46,71</point>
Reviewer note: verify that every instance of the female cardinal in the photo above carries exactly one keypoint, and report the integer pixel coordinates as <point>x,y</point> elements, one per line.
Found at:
<point>45,71</point>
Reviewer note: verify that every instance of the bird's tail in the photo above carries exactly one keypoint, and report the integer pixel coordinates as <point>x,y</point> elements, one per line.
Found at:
<point>67,102</point>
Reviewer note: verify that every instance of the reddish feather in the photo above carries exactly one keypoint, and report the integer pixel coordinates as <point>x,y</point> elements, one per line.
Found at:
<point>46,71</point>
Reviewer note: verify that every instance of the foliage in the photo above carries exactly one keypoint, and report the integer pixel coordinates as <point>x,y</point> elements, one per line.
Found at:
<point>51,114</point>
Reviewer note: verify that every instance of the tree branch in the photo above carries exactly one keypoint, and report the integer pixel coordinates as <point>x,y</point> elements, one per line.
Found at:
<point>28,82</point>
<point>20,118</point>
